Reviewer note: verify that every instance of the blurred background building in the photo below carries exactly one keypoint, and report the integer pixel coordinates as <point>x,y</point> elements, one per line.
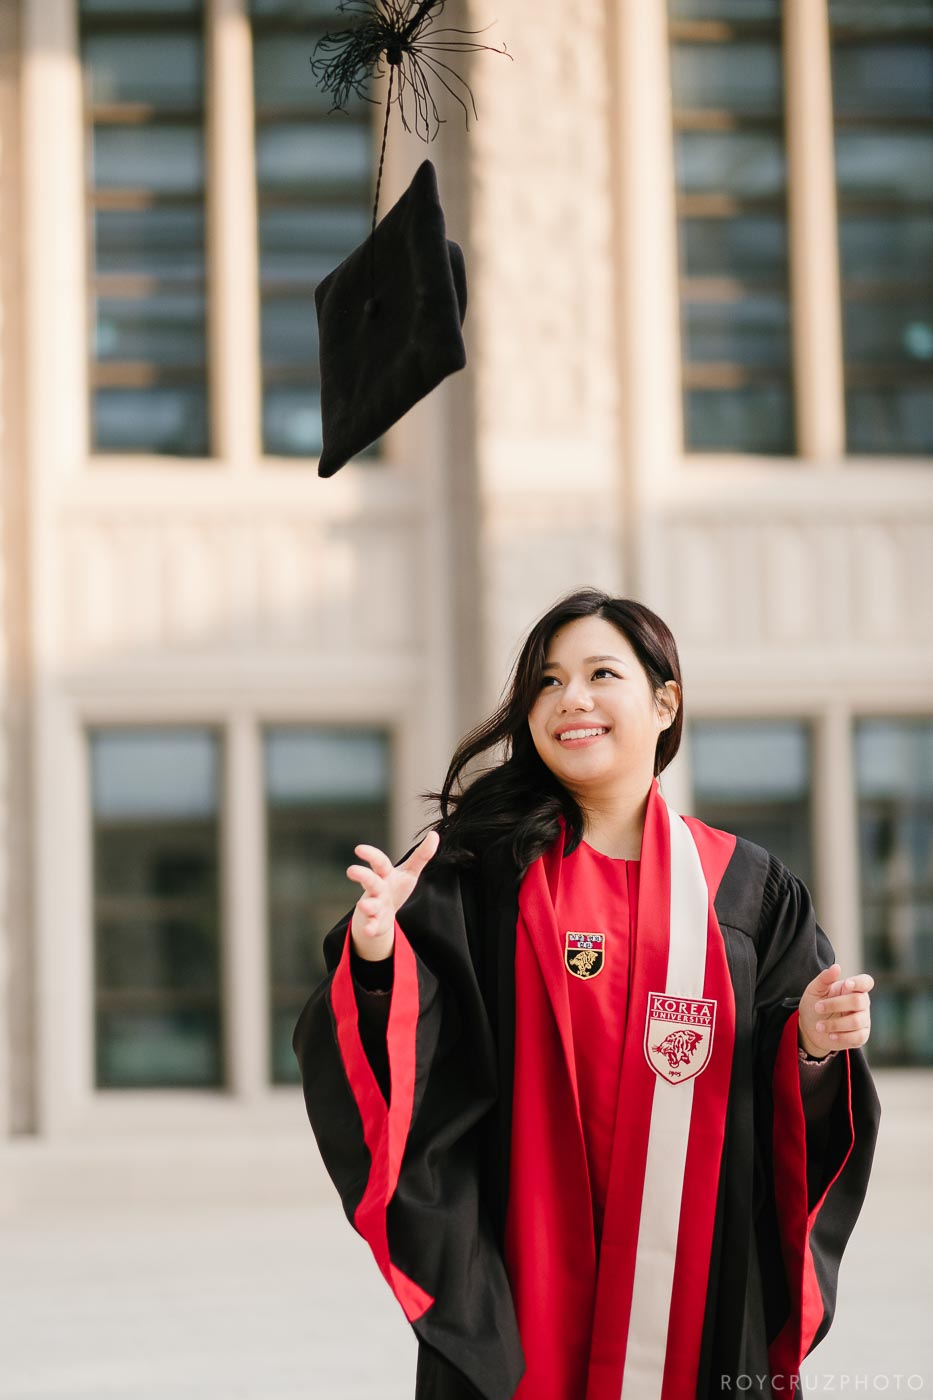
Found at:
<point>699,239</point>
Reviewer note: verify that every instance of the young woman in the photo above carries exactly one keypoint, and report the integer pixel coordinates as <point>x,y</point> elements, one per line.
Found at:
<point>585,1072</point>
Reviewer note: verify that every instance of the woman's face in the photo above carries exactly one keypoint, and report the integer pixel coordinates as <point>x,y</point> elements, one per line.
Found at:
<point>595,689</point>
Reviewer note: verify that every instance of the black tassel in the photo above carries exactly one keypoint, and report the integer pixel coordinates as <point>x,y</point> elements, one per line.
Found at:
<point>400,33</point>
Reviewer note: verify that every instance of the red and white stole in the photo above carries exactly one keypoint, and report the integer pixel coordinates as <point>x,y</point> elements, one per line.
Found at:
<point>632,1326</point>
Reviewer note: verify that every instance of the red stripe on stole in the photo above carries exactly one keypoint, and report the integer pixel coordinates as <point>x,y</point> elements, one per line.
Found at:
<point>795,1339</point>
<point>385,1129</point>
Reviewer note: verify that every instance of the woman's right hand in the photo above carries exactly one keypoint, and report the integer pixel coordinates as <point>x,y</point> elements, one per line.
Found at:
<point>385,889</point>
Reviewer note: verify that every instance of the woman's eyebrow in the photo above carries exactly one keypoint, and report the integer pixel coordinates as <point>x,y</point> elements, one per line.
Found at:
<point>587,661</point>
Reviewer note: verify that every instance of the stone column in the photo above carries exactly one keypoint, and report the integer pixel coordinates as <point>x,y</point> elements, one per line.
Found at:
<point>541,331</point>
<point>17,1027</point>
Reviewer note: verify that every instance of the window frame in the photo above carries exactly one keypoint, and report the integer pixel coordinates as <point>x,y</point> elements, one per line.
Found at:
<point>727,374</point>
<point>140,373</point>
<point>894,979</point>
<point>234,376</point>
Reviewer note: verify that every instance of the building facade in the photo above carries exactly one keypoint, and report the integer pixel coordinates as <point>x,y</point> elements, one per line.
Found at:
<point>700,338</point>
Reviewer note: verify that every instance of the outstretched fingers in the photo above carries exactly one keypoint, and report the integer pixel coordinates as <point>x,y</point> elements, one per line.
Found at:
<point>378,859</point>
<point>422,854</point>
<point>362,874</point>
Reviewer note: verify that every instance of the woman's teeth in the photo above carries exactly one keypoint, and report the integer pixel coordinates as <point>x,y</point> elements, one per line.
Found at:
<point>580,734</point>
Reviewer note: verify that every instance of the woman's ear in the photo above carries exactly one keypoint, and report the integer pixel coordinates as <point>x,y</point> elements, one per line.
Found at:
<point>668,702</point>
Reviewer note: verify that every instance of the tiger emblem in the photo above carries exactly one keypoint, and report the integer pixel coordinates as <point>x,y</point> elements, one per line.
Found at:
<point>678,1047</point>
<point>585,954</point>
<point>584,962</point>
<point>679,1035</point>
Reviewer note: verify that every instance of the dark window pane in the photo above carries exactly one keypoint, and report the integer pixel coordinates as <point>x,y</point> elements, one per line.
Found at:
<point>725,9</point>
<point>161,68</point>
<point>885,165</point>
<point>156,907</point>
<point>289,332</point>
<point>748,332</point>
<point>894,775</point>
<point>164,243</point>
<point>883,96</point>
<point>889,16</point>
<point>291,421</point>
<point>755,418</point>
<point>326,790</point>
<point>305,243</point>
<point>889,332</point>
<point>315,177</point>
<point>170,419</point>
<point>164,159</point>
<point>749,163</point>
<point>896,420</point>
<point>883,79</point>
<point>890,248</point>
<point>152,1050</point>
<point>296,10</point>
<point>282,72</point>
<point>292,155</point>
<point>752,777</point>
<point>128,9</point>
<point>146,181</point>
<point>167,329</point>
<point>733,243</point>
<point>738,77</point>
<point>172,953</point>
<point>749,247</point>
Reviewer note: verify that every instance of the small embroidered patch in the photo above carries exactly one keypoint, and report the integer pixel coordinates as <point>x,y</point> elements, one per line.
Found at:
<point>585,954</point>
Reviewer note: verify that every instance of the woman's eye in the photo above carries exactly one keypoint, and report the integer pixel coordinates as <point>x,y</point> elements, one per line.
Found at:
<point>545,679</point>
<point>605,671</point>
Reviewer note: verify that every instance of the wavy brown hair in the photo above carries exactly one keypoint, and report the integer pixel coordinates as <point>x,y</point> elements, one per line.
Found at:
<point>518,795</point>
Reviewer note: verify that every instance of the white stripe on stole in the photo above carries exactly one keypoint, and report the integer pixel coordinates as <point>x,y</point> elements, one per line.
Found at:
<point>668,1135</point>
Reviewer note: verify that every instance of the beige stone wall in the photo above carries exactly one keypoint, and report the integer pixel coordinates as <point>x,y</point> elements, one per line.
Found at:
<point>239,591</point>
<point>545,354</point>
<point>17,1059</point>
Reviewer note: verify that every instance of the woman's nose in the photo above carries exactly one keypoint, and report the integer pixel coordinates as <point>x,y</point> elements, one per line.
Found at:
<point>577,697</point>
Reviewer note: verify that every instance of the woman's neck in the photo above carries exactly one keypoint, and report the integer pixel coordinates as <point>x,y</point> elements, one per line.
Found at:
<point>615,826</point>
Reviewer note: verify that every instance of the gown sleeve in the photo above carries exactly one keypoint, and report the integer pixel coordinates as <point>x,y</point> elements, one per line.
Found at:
<point>814,1140</point>
<point>396,1079</point>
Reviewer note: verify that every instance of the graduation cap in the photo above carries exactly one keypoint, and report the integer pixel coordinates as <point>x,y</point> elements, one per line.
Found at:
<point>390,316</point>
<point>389,320</point>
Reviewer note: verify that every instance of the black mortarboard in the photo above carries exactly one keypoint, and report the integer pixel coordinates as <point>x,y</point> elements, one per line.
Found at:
<point>389,321</point>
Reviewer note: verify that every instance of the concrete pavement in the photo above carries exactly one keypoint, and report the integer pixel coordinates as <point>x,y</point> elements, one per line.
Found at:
<point>273,1297</point>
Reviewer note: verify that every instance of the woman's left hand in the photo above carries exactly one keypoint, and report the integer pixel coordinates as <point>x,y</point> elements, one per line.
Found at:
<point>834,1012</point>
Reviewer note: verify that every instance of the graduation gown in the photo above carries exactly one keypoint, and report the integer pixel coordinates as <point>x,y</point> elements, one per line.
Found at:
<point>413,1117</point>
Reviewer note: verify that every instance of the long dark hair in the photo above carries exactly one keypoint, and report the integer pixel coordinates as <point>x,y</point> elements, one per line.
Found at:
<point>518,795</point>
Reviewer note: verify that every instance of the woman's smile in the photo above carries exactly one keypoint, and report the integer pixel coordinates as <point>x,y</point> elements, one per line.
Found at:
<point>581,736</point>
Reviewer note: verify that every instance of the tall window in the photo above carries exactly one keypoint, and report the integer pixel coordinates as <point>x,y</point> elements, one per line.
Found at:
<point>314,174</point>
<point>894,773</point>
<point>148,276</point>
<point>326,791</point>
<point>155,799</point>
<point>727,87</point>
<point>882,63</point>
<point>752,777</point>
<point>144,120</point>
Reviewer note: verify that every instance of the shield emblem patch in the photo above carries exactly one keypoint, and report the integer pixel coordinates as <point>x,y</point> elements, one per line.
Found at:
<point>678,1036</point>
<point>585,954</point>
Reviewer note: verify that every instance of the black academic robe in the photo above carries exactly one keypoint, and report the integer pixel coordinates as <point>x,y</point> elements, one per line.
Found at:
<point>445,1222</point>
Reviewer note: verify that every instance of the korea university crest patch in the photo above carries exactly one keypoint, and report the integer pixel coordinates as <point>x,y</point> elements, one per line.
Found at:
<point>585,954</point>
<point>678,1035</point>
